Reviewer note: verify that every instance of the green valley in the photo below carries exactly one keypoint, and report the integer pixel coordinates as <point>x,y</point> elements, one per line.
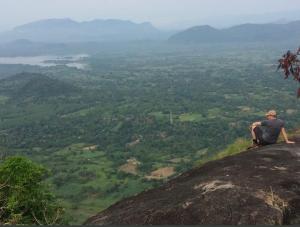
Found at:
<point>138,114</point>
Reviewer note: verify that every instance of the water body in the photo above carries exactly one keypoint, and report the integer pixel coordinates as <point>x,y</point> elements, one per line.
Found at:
<point>73,61</point>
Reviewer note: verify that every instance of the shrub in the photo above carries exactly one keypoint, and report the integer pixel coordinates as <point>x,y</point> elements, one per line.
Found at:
<point>24,197</point>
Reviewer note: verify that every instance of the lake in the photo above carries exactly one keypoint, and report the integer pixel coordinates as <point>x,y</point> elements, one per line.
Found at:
<point>73,61</point>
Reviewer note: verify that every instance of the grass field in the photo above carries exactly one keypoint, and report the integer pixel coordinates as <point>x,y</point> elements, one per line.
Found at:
<point>191,117</point>
<point>88,181</point>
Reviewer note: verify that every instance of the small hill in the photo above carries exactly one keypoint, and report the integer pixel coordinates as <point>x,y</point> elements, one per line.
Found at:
<point>67,30</point>
<point>259,186</point>
<point>34,85</point>
<point>198,33</point>
<point>240,33</point>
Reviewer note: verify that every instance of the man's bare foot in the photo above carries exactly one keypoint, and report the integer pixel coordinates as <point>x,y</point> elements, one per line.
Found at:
<point>254,145</point>
<point>290,142</point>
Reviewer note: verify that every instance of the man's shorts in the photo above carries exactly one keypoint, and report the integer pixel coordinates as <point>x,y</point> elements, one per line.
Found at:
<point>259,136</point>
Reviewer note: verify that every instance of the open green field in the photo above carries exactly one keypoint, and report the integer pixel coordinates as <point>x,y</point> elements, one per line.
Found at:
<point>191,117</point>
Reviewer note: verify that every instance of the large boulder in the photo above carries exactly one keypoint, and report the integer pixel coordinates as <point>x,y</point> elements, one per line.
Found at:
<point>259,186</point>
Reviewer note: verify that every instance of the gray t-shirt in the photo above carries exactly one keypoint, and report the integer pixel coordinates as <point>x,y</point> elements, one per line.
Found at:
<point>272,129</point>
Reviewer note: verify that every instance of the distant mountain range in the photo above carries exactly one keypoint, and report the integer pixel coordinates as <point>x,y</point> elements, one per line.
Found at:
<point>240,33</point>
<point>67,30</point>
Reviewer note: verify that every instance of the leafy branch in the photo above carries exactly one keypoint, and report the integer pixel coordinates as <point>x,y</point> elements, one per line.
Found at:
<point>290,64</point>
<point>24,197</point>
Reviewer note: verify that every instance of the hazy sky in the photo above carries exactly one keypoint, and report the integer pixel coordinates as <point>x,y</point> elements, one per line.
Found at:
<point>162,13</point>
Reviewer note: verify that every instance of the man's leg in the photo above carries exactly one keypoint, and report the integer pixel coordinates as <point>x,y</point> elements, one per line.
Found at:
<point>255,134</point>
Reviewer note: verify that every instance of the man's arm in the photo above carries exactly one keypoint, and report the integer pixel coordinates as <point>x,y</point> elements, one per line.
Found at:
<point>255,124</point>
<point>286,137</point>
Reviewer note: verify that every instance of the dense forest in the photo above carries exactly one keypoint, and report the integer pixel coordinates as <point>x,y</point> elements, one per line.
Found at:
<point>137,115</point>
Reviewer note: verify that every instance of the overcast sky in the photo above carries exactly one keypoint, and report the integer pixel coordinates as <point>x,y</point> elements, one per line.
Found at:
<point>162,13</point>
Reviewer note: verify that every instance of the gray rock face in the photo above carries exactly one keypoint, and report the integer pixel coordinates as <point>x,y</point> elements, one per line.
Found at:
<point>259,186</point>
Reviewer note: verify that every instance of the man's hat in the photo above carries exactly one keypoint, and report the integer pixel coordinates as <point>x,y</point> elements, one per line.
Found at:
<point>271,113</point>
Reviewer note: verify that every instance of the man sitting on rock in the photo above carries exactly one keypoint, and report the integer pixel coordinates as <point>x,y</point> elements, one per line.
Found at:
<point>267,132</point>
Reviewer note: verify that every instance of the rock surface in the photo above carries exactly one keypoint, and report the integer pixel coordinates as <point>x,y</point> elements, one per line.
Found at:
<point>259,186</point>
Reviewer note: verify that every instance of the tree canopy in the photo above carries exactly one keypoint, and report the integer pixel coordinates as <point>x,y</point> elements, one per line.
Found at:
<point>24,197</point>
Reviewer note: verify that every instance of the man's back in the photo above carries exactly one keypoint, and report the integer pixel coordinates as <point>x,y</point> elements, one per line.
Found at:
<point>272,129</point>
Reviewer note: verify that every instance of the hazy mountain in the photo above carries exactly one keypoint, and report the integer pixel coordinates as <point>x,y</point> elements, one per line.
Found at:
<point>225,21</point>
<point>240,33</point>
<point>67,30</point>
